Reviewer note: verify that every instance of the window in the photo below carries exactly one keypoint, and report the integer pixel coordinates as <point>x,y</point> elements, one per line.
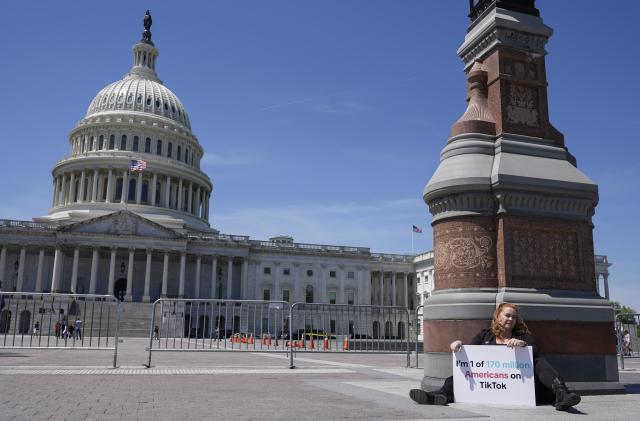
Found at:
<point>148,100</point>
<point>186,155</point>
<point>145,192</point>
<point>147,145</point>
<point>285,295</point>
<point>351,275</point>
<point>139,100</point>
<point>157,103</point>
<point>267,271</point>
<point>91,146</point>
<point>101,142</point>
<point>308,294</point>
<point>286,271</point>
<point>131,196</point>
<point>332,326</point>
<point>266,294</point>
<point>118,189</point>
<point>123,143</point>
<point>350,297</point>
<point>112,142</point>
<point>136,141</point>
<point>169,149</point>
<point>332,274</point>
<point>179,153</point>
<point>332,297</point>
<point>159,147</point>
<point>309,272</point>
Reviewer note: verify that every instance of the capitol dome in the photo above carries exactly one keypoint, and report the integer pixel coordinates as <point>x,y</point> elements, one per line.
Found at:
<point>134,150</point>
<point>139,94</point>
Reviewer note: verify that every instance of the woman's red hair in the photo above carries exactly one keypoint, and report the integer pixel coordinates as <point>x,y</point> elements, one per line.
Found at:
<point>520,328</point>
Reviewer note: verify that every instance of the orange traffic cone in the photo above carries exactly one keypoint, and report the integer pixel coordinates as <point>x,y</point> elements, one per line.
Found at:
<point>326,343</point>
<point>302,343</point>
<point>244,339</point>
<point>312,344</point>
<point>345,344</point>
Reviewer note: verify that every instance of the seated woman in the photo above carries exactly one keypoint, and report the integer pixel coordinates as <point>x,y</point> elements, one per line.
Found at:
<point>507,328</point>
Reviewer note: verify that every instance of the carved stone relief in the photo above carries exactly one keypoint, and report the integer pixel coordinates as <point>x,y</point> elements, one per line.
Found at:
<point>465,253</point>
<point>522,106</point>
<point>544,254</point>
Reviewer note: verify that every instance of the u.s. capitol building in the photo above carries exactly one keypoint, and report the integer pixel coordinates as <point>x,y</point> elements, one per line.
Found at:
<point>146,234</point>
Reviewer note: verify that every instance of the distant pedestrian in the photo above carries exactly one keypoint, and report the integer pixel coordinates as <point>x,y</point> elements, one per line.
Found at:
<point>36,328</point>
<point>56,329</point>
<point>65,332</point>
<point>70,330</point>
<point>626,343</point>
<point>156,332</point>
<point>78,328</point>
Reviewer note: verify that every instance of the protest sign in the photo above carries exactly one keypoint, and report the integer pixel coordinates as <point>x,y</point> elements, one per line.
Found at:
<point>492,374</point>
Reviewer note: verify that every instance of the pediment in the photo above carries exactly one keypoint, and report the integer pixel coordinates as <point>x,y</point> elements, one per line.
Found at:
<point>122,223</point>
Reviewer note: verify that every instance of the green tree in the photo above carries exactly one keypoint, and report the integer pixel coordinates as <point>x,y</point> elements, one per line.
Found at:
<point>625,312</point>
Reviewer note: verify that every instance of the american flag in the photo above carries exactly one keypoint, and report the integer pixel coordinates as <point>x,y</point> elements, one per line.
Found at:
<point>417,229</point>
<point>138,165</point>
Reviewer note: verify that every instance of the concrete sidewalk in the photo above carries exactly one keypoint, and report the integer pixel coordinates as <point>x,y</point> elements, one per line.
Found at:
<point>80,385</point>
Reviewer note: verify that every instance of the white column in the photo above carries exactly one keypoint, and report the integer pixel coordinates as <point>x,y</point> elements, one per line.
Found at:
<point>23,256</point>
<point>128,295</point>
<point>214,276</point>
<point>109,186</point>
<point>165,274</point>
<point>196,292</point>
<point>83,176</point>
<point>606,286</point>
<point>183,261</point>
<point>112,272</point>
<point>125,186</point>
<point>74,271</point>
<point>190,198</point>
<point>139,189</point>
<point>381,287</point>
<point>94,187</point>
<point>93,281</point>
<point>244,295</point>
<point>147,278</point>
<point>324,274</point>
<point>405,293</point>
<point>180,207</point>
<point>394,287</point>
<point>57,267</point>
<point>297,281</point>
<point>40,269</point>
<point>342,299</point>
<point>167,191</point>
<point>206,206</point>
<point>72,188</point>
<point>276,281</point>
<point>63,196</point>
<point>3,265</point>
<point>54,202</point>
<point>229,277</point>
<point>154,181</point>
<point>198,201</point>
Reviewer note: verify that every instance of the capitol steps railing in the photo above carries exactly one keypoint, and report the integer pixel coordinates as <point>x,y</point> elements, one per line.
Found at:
<point>30,320</point>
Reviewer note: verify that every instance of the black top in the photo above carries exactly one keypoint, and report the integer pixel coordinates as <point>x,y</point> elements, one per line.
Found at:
<point>477,7</point>
<point>486,337</point>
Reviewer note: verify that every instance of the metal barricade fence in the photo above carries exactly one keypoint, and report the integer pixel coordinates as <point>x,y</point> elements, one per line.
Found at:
<point>628,332</point>
<point>417,325</point>
<point>344,328</point>
<point>59,321</point>
<point>213,325</point>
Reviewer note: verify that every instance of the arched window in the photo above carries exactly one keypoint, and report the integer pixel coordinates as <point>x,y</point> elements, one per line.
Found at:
<point>131,197</point>
<point>186,155</point>
<point>123,142</point>
<point>308,294</point>
<point>136,141</point>
<point>157,103</point>
<point>179,153</point>
<point>376,330</point>
<point>147,145</point>
<point>388,330</point>
<point>91,145</point>
<point>101,142</point>
<point>112,142</point>
<point>103,188</point>
<point>400,330</point>
<point>118,189</point>
<point>145,192</point>
<point>169,149</point>
<point>139,99</point>
<point>158,192</point>
<point>159,147</point>
<point>148,101</point>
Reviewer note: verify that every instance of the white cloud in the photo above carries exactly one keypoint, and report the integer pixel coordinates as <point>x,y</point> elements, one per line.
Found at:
<point>229,159</point>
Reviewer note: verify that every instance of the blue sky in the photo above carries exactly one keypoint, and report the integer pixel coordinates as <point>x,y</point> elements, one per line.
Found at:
<point>320,119</point>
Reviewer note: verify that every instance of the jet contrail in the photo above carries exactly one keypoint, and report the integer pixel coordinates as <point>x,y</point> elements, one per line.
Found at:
<point>347,91</point>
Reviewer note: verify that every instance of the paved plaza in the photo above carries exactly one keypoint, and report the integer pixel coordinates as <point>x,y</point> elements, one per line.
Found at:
<point>81,385</point>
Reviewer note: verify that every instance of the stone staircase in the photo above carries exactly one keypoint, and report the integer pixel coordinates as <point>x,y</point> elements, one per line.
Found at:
<point>135,319</point>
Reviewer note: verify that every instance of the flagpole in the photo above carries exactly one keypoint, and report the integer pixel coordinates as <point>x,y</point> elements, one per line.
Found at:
<point>412,234</point>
